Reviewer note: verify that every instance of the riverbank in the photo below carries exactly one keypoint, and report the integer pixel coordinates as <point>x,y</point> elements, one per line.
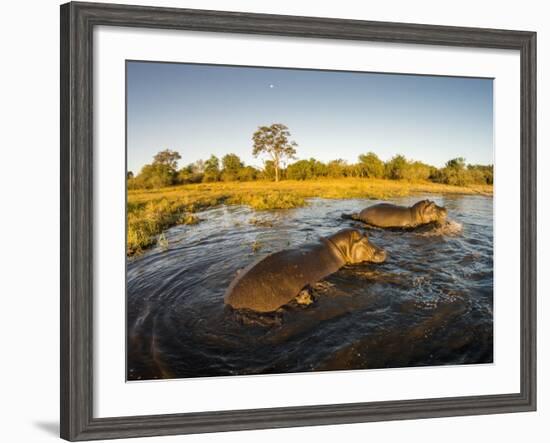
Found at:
<point>150,212</point>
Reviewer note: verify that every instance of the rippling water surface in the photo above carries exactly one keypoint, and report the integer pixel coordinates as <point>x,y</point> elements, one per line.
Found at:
<point>431,303</point>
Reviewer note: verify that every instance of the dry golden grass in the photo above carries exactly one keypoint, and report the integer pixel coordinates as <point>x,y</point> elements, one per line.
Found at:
<point>150,212</point>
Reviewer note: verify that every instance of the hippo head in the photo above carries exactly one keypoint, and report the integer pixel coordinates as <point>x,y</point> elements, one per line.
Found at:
<point>429,212</point>
<point>356,248</point>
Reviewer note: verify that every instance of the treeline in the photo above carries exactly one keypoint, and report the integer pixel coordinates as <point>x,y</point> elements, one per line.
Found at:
<point>274,142</point>
<point>163,171</point>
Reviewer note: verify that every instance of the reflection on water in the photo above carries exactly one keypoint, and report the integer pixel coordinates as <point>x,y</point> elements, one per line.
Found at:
<point>431,303</point>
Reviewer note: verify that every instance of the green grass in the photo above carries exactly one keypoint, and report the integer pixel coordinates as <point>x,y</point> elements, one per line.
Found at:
<point>268,200</point>
<point>147,220</point>
<point>151,212</point>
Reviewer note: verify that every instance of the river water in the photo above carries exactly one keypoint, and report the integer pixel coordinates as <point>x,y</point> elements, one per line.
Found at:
<point>430,303</point>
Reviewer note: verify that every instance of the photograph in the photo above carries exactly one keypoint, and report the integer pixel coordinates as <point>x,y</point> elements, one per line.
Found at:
<point>293,220</point>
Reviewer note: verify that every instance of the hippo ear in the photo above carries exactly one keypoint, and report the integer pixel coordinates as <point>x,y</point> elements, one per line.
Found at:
<point>355,235</point>
<point>424,207</point>
<point>429,210</point>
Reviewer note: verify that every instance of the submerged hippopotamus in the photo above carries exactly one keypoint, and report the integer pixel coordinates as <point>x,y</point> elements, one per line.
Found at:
<point>386,215</point>
<point>277,279</point>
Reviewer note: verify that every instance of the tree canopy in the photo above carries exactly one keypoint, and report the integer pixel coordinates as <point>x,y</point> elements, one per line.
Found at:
<point>232,165</point>
<point>167,157</point>
<point>274,141</point>
<point>212,169</point>
<point>370,165</point>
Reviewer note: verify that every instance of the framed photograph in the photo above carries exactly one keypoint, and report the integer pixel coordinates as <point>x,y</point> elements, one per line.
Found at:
<point>272,221</point>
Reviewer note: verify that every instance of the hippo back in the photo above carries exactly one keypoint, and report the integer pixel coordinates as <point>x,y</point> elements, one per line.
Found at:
<point>386,215</point>
<point>275,280</point>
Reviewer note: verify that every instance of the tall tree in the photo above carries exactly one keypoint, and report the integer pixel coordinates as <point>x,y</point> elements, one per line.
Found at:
<point>167,157</point>
<point>212,169</point>
<point>162,172</point>
<point>274,141</point>
<point>395,168</point>
<point>231,164</point>
<point>457,164</point>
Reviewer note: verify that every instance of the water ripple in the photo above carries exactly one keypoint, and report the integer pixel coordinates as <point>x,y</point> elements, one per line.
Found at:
<point>431,303</point>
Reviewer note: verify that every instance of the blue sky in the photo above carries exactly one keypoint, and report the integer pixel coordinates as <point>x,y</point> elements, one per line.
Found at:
<point>199,110</point>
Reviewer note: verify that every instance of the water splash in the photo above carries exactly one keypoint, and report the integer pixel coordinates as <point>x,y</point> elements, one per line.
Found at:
<point>448,228</point>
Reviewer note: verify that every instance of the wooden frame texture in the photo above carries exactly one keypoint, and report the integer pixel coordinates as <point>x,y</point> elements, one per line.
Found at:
<point>77,23</point>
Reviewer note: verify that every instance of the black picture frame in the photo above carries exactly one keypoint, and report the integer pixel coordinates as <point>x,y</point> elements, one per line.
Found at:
<point>77,23</point>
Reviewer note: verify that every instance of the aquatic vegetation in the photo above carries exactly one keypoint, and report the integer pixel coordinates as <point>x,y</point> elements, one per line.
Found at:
<point>256,246</point>
<point>151,211</point>
<point>270,200</point>
<point>162,241</point>
<point>147,220</point>
<point>259,222</point>
<point>188,219</point>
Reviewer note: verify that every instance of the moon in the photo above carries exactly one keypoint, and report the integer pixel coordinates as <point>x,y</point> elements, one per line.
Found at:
<point>271,86</point>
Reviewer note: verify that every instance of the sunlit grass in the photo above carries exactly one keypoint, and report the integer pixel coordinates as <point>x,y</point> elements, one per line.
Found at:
<point>150,212</point>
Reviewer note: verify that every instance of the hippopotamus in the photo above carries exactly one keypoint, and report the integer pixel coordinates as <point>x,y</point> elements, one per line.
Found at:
<point>386,215</point>
<point>277,279</point>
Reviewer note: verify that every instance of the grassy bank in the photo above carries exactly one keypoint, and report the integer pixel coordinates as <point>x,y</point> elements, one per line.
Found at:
<point>150,212</point>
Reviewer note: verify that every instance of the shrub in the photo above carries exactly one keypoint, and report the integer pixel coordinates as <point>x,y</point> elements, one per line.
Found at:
<point>336,168</point>
<point>300,170</point>
<point>248,173</point>
<point>395,169</point>
<point>370,165</point>
<point>416,171</point>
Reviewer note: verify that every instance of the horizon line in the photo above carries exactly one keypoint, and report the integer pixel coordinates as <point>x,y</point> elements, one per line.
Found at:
<point>220,157</point>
